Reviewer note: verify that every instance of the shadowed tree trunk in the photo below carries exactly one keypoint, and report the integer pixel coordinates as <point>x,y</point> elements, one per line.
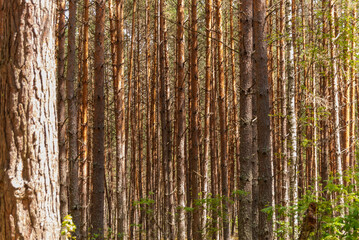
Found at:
<point>246,178</point>
<point>263,120</point>
<point>98,177</point>
<point>74,201</point>
<point>61,108</point>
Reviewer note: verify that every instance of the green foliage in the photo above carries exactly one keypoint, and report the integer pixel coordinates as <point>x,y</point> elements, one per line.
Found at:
<point>68,227</point>
<point>336,219</point>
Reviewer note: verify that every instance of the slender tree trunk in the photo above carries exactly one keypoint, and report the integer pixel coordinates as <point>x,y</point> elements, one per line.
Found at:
<point>98,177</point>
<point>207,107</point>
<point>165,123</point>
<point>336,106</point>
<point>246,178</point>
<point>194,126</point>
<point>148,122</point>
<point>263,122</point>
<point>119,93</point>
<point>29,169</point>
<point>84,123</point>
<point>292,119</point>
<point>181,121</point>
<point>222,120</point>
<point>61,108</point>
<point>74,206</point>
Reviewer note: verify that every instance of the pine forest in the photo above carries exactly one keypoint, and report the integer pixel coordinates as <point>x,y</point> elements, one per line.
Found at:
<point>179,119</point>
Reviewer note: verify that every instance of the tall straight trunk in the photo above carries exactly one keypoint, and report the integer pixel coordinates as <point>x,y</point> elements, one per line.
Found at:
<point>353,74</point>
<point>324,122</point>
<point>214,145</point>
<point>181,121</point>
<point>154,120</point>
<point>234,100</point>
<point>246,82</point>
<point>263,120</point>
<point>61,108</point>
<point>166,124</point>
<point>129,122</point>
<point>119,94</point>
<point>207,107</point>
<point>84,123</point>
<point>29,169</point>
<point>283,84</point>
<point>194,126</point>
<point>336,106</point>
<point>222,119</point>
<point>292,118</point>
<point>74,206</point>
<point>148,122</point>
<point>98,177</point>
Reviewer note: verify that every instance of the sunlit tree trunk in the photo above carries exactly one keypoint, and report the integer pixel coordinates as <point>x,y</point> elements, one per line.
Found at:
<point>119,93</point>
<point>84,123</point>
<point>207,107</point>
<point>222,119</point>
<point>292,118</point>
<point>29,168</point>
<point>336,106</point>
<point>181,121</point>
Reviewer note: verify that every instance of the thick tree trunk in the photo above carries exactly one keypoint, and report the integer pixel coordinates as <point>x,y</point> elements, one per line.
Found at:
<point>29,202</point>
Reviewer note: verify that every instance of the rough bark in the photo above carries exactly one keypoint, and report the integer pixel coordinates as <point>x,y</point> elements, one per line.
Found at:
<point>207,113</point>
<point>246,84</point>
<point>61,108</point>
<point>181,121</point>
<point>29,186</point>
<point>84,123</point>
<point>74,200</point>
<point>119,93</point>
<point>263,120</point>
<point>309,222</point>
<point>222,119</point>
<point>98,163</point>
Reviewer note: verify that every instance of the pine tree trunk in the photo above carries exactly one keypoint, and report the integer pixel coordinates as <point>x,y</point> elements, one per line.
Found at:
<point>61,108</point>
<point>84,124</point>
<point>181,121</point>
<point>74,203</point>
<point>263,120</point>
<point>98,177</point>
<point>246,158</point>
<point>29,169</point>
<point>207,114</point>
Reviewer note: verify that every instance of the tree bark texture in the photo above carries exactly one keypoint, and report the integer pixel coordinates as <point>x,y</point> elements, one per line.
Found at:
<point>29,185</point>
